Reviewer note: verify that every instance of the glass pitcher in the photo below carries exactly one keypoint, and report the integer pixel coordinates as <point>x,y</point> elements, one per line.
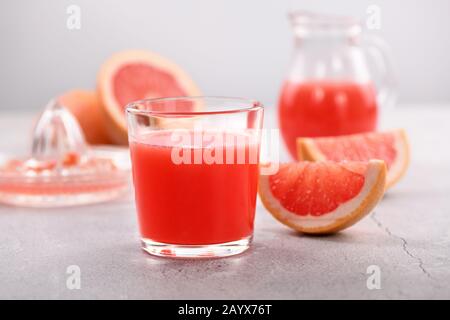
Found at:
<point>339,77</point>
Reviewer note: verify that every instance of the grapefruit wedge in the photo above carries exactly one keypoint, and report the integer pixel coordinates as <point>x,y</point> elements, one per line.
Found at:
<point>323,197</point>
<point>391,146</point>
<point>134,75</point>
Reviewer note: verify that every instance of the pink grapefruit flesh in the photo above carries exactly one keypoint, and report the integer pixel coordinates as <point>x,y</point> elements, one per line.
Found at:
<point>323,197</point>
<point>392,147</point>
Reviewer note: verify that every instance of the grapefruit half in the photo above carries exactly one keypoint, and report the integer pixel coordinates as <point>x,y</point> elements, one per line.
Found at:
<point>86,107</point>
<point>392,147</point>
<point>323,197</point>
<point>134,75</point>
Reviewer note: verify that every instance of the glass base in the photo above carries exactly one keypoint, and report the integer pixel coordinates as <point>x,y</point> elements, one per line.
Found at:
<point>196,251</point>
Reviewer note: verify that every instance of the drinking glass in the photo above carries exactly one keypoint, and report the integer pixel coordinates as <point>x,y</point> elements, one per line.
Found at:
<point>195,167</point>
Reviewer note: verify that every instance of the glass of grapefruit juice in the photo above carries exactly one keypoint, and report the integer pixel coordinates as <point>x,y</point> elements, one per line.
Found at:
<point>195,171</point>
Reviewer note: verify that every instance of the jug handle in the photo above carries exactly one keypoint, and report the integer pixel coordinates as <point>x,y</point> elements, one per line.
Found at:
<point>382,69</point>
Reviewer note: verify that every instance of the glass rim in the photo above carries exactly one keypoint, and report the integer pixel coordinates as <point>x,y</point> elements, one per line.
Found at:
<point>250,105</point>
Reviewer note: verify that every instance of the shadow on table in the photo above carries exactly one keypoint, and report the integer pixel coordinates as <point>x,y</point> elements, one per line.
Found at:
<point>357,235</point>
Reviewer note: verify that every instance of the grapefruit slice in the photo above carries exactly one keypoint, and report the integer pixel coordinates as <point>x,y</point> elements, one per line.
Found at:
<point>134,75</point>
<point>392,147</point>
<point>323,197</point>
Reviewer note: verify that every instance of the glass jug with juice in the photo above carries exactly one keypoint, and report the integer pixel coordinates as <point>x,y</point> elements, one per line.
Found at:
<point>337,81</point>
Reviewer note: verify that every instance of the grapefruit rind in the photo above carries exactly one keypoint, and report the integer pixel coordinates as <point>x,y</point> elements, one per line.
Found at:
<point>400,166</point>
<point>309,151</point>
<point>342,217</point>
<point>115,113</point>
<point>86,107</point>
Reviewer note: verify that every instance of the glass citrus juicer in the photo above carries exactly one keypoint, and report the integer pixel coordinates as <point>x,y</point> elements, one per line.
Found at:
<point>338,79</point>
<point>61,169</point>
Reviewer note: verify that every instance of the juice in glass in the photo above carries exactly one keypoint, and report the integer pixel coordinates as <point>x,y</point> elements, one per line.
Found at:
<point>194,203</point>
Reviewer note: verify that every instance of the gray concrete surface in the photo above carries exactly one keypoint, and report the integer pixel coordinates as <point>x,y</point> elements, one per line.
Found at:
<point>407,236</point>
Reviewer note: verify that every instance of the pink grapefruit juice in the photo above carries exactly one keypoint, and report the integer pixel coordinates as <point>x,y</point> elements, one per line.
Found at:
<point>326,108</point>
<point>194,202</point>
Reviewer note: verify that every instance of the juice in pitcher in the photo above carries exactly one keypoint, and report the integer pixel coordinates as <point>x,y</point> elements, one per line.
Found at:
<point>326,108</point>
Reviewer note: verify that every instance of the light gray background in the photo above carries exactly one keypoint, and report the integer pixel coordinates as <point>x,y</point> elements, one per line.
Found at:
<point>230,47</point>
